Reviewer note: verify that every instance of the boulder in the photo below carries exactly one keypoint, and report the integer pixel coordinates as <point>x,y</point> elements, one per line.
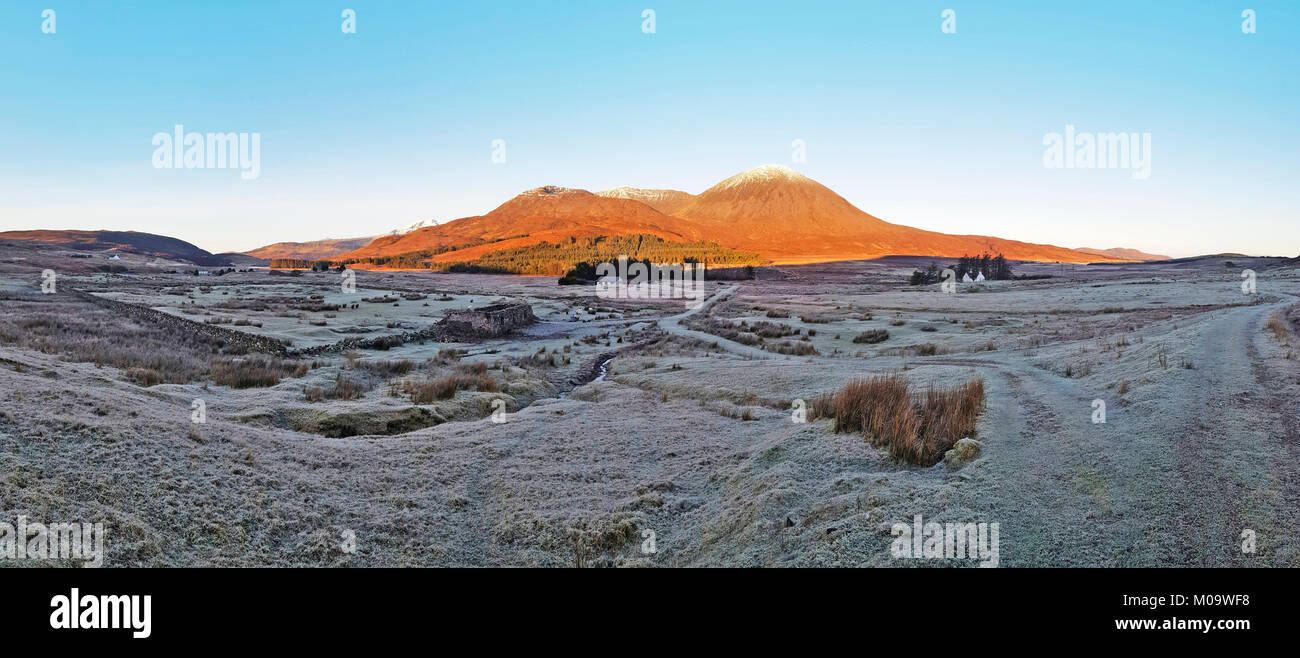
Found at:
<point>963,452</point>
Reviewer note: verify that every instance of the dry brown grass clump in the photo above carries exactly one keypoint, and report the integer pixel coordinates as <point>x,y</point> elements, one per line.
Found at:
<point>344,388</point>
<point>387,368</point>
<point>764,329</point>
<point>797,348</point>
<point>145,377</point>
<point>822,406</point>
<point>253,371</point>
<point>947,415</point>
<point>870,405</point>
<point>469,377</point>
<point>1278,327</point>
<point>915,430</point>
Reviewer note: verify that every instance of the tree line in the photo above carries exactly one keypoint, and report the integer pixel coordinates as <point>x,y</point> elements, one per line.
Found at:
<point>994,268</point>
<point>547,258</point>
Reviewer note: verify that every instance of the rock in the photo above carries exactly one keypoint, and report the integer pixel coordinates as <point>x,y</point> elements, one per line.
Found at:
<point>963,452</point>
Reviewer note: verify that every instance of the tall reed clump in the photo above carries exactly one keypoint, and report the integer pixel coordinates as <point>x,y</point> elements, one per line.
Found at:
<point>253,371</point>
<point>1278,327</point>
<point>466,377</point>
<point>916,429</point>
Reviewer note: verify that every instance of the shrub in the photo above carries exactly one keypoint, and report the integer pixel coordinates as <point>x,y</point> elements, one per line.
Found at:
<point>772,329</point>
<point>798,349</point>
<point>386,368</point>
<point>384,343</point>
<point>472,368</point>
<point>872,336</point>
<point>449,354</point>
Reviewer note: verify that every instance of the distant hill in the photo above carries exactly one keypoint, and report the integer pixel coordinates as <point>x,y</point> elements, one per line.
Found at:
<point>243,260</point>
<point>545,214</point>
<point>313,250</point>
<point>668,202</point>
<point>148,244</point>
<point>771,210</point>
<point>1123,253</point>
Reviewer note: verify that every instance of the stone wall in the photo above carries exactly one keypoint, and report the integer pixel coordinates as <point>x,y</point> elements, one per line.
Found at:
<point>241,341</point>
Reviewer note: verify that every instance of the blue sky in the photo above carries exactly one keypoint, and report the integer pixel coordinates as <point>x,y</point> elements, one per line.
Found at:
<point>363,133</point>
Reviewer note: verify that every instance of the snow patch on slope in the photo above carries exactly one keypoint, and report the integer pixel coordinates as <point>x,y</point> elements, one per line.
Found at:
<point>762,174</point>
<point>423,223</point>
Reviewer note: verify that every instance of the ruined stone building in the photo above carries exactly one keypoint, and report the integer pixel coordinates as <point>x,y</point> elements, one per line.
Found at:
<point>489,321</point>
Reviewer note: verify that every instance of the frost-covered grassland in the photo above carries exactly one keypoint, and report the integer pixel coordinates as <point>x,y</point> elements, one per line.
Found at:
<point>393,458</point>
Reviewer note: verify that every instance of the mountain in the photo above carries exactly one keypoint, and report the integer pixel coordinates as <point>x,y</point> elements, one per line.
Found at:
<point>147,244</point>
<point>423,223</point>
<point>791,218</point>
<point>312,250</point>
<point>771,210</point>
<point>1122,253</point>
<point>668,202</point>
<point>545,214</point>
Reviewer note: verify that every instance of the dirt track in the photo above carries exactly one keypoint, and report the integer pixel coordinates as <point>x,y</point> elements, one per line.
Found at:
<point>1173,481</point>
